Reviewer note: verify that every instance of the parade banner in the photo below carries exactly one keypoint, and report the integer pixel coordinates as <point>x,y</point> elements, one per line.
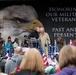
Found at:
<point>23,18</point>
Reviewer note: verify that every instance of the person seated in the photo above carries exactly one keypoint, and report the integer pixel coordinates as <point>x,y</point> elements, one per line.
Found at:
<point>8,47</point>
<point>67,60</point>
<point>24,41</point>
<point>16,42</point>
<point>2,64</point>
<point>11,64</point>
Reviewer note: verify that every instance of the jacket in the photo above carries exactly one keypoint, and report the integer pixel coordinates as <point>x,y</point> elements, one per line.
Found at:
<point>28,72</point>
<point>8,45</point>
<point>11,64</point>
<point>67,71</point>
<point>34,34</point>
<point>60,43</point>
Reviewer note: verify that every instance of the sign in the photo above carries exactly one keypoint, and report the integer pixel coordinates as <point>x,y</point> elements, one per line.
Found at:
<point>55,19</point>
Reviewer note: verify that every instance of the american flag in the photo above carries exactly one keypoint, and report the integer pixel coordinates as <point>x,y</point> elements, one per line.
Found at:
<point>71,42</point>
<point>64,42</point>
<point>8,57</point>
<point>44,56</point>
<point>40,48</point>
<point>5,51</point>
<point>56,50</point>
<point>50,51</point>
<point>11,51</point>
<point>31,43</point>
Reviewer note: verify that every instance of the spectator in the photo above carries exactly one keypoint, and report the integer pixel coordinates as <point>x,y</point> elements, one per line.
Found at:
<point>24,41</point>
<point>16,42</point>
<point>32,63</point>
<point>1,45</point>
<point>8,47</point>
<point>67,60</point>
<point>18,62</point>
<point>11,64</point>
<point>2,64</point>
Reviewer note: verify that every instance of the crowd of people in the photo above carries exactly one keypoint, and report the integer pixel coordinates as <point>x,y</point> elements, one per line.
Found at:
<point>31,62</point>
<point>38,34</point>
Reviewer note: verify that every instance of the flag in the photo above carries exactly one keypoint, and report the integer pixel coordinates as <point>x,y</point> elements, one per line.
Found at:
<point>4,50</point>
<point>5,53</point>
<point>50,51</point>
<point>71,42</point>
<point>56,50</point>
<point>44,56</point>
<point>40,48</point>
<point>8,56</point>
<point>64,42</point>
<point>11,51</point>
<point>31,43</point>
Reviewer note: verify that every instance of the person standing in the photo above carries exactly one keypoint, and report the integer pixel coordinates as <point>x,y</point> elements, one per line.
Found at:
<point>60,41</point>
<point>44,39</point>
<point>34,35</point>
<point>1,44</point>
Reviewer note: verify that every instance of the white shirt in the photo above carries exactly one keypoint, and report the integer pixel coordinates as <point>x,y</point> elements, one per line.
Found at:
<point>15,45</point>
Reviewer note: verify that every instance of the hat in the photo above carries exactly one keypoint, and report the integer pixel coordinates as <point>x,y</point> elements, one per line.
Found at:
<point>50,70</point>
<point>9,37</point>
